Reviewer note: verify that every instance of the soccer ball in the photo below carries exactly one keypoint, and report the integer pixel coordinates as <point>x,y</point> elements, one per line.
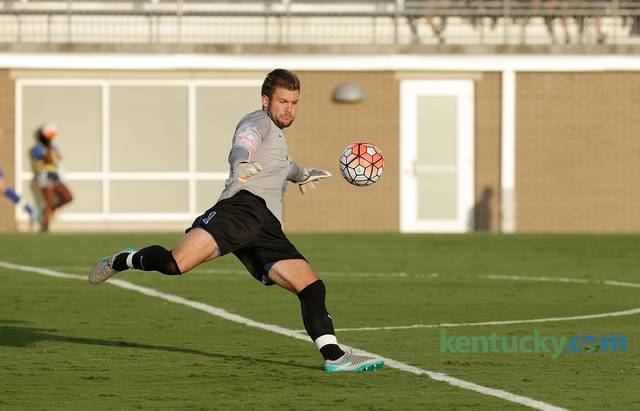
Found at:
<point>361,164</point>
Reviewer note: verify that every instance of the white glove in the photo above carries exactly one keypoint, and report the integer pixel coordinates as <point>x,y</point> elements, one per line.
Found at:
<point>312,179</point>
<point>245,170</point>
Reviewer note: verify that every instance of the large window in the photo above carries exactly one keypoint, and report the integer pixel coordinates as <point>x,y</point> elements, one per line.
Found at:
<point>134,150</point>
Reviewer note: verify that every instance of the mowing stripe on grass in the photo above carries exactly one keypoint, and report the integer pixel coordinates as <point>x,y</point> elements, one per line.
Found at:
<point>221,313</point>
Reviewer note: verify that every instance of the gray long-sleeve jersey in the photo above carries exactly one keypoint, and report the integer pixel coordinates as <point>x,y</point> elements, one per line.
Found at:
<point>257,139</point>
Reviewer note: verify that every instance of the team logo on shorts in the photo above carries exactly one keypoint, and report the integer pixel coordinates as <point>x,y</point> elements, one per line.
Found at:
<point>208,217</point>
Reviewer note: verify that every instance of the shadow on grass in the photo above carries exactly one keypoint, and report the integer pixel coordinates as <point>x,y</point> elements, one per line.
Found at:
<point>20,336</point>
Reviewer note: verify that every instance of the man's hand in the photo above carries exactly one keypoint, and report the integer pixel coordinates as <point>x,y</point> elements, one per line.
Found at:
<point>245,170</point>
<point>312,179</point>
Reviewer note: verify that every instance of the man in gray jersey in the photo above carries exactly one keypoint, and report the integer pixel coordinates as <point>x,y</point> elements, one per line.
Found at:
<point>246,221</point>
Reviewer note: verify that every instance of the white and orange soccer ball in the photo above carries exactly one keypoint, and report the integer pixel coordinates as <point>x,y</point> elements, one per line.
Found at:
<point>361,164</point>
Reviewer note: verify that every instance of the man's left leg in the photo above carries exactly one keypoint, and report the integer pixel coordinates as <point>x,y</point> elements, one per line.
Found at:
<point>196,247</point>
<point>298,277</point>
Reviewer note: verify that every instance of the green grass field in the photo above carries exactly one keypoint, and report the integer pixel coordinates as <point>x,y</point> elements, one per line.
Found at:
<point>67,345</point>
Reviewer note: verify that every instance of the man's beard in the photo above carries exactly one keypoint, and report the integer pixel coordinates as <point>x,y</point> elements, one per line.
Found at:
<point>278,122</point>
<point>283,125</point>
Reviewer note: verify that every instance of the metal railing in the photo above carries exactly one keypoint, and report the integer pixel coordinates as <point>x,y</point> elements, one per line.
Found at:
<point>320,22</point>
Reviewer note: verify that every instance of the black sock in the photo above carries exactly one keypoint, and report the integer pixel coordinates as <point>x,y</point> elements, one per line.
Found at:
<point>331,352</point>
<point>120,262</point>
<point>316,319</point>
<point>152,258</point>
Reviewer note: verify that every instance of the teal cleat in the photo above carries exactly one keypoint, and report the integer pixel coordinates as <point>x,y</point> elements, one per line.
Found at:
<point>352,362</point>
<point>103,269</point>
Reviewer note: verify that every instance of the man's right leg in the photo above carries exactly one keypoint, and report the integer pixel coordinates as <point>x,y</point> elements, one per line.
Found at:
<point>196,247</point>
<point>297,276</point>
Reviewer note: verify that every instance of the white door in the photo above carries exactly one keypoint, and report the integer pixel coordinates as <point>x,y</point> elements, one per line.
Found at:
<point>436,156</point>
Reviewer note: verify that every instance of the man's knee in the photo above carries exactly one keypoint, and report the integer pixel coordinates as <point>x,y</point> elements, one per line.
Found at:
<point>294,275</point>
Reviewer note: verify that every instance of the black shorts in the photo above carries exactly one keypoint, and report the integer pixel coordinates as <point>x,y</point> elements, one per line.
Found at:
<point>244,226</point>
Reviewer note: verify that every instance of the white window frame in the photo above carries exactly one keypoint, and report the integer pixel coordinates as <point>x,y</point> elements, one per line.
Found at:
<point>105,176</point>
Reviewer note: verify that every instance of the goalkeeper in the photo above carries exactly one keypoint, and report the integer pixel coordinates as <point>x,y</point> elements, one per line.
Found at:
<point>246,221</point>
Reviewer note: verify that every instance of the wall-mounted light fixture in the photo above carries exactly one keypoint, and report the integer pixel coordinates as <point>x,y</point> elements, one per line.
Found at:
<point>348,92</point>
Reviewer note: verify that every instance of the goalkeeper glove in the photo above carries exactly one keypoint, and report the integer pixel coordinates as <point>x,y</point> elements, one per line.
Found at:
<point>245,170</point>
<point>312,179</point>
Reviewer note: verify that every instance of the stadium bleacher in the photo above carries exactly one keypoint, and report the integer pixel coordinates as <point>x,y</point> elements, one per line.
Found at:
<point>320,22</point>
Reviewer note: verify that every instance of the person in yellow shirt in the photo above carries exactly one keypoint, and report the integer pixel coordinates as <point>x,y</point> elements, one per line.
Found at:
<point>47,165</point>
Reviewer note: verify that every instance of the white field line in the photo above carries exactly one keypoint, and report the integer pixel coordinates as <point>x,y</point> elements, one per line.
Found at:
<point>621,284</point>
<point>632,311</point>
<point>242,272</point>
<point>83,268</point>
<point>245,273</point>
<point>219,312</point>
<point>561,280</point>
<point>543,279</point>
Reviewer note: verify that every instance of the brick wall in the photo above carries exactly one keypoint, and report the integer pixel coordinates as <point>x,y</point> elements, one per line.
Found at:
<point>577,156</point>
<point>487,152</point>
<point>7,213</point>
<point>578,152</point>
<point>322,130</point>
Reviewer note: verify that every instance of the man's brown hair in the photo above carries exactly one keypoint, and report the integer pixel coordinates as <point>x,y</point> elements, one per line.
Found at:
<point>280,78</point>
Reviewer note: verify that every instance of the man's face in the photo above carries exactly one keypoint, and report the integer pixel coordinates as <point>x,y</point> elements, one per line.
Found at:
<point>282,106</point>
